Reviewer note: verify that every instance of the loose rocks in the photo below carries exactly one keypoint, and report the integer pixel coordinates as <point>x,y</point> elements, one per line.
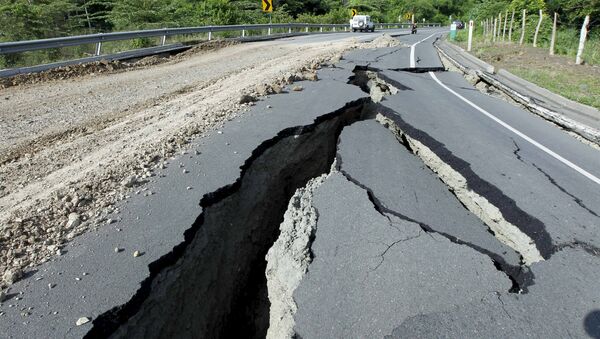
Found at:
<point>12,275</point>
<point>246,99</point>
<point>74,220</point>
<point>82,320</point>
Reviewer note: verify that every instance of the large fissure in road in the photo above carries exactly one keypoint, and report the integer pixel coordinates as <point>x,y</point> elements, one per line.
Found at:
<point>213,284</point>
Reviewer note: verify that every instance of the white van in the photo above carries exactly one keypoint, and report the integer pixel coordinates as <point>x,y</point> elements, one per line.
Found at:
<point>362,23</point>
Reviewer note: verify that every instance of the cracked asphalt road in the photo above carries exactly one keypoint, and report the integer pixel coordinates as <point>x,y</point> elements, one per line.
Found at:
<point>395,253</point>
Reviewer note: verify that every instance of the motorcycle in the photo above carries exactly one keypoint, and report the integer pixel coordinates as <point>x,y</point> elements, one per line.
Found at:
<point>414,29</point>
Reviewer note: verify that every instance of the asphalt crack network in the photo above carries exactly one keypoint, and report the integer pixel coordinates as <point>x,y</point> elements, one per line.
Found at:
<point>590,249</point>
<point>562,189</point>
<point>517,150</point>
<point>553,181</point>
<point>520,277</point>
<point>462,178</point>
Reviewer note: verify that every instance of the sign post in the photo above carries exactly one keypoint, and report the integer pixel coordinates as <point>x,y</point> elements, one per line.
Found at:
<point>267,7</point>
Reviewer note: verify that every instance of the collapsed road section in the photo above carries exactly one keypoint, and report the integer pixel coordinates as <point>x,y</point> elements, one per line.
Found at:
<point>345,217</point>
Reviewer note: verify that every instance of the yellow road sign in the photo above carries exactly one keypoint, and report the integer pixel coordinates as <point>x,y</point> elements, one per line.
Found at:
<point>267,5</point>
<point>408,16</point>
<point>354,12</point>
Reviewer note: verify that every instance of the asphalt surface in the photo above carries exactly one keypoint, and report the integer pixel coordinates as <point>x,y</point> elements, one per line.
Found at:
<point>395,253</point>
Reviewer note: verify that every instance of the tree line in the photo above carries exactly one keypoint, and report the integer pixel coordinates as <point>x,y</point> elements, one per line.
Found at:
<point>35,19</point>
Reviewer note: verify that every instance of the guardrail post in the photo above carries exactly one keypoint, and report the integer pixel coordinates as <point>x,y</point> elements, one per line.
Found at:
<point>334,28</point>
<point>290,30</point>
<point>209,35</point>
<point>243,33</point>
<point>321,29</point>
<point>345,29</point>
<point>163,40</point>
<point>269,32</point>
<point>98,48</point>
<point>306,30</point>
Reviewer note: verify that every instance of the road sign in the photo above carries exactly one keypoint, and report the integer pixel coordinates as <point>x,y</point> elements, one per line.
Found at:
<point>267,5</point>
<point>408,16</point>
<point>354,12</point>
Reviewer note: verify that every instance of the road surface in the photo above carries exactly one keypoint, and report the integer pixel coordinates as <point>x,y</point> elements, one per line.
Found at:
<point>390,198</point>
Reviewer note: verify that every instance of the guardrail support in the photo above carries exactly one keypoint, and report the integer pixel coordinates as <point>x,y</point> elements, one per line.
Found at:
<point>345,29</point>
<point>306,30</point>
<point>269,31</point>
<point>98,48</point>
<point>334,28</point>
<point>290,30</point>
<point>209,36</point>
<point>163,40</point>
<point>243,33</point>
<point>321,29</point>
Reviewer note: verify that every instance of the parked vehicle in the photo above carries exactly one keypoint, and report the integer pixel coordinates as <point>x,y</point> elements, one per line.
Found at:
<point>362,23</point>
<point>459,24</point>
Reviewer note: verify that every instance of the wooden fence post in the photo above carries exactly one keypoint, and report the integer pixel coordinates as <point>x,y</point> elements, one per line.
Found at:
<point>499,25</point>
<point>495,22</point>
<point>523,27</point>
<point>512,19</point>
<point>537,29</point>
<point>504,29</point>
<point>582,37</point>
<point>553,39</point>
<point>470,39</point>
<point>484,28</point>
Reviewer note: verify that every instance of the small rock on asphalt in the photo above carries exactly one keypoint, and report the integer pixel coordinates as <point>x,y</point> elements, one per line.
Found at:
<point>297,88</point>
<point>82,320</point>
<point>136,254</point>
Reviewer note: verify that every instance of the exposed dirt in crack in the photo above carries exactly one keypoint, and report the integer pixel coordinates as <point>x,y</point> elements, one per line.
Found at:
<point>221,261</point>
<point>288,259</point>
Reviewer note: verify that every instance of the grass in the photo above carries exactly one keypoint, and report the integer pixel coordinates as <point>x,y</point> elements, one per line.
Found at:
<point>585,90</point>
<point>567,42</point>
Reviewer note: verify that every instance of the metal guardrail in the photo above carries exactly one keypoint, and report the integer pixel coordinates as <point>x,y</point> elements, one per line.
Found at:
<point>99,38</point>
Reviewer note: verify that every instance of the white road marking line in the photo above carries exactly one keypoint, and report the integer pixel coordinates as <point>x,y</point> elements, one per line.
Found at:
<point>412,50</point>
<point>519,133</point>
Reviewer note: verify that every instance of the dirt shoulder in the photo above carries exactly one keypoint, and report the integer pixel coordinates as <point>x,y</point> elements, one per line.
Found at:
<point>556,73</point>
<point>72,148</point>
